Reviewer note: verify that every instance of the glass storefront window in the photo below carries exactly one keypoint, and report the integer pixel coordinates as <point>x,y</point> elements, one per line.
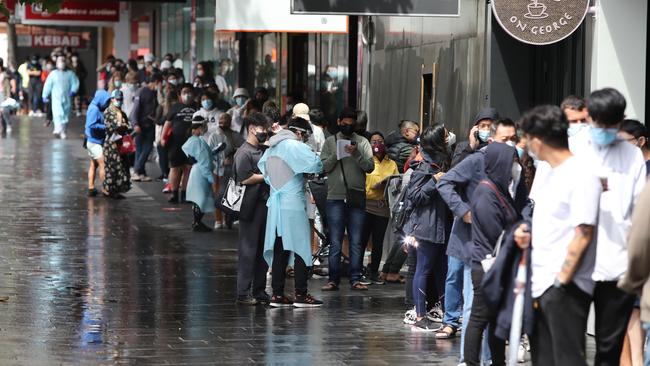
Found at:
<point>327,73</point>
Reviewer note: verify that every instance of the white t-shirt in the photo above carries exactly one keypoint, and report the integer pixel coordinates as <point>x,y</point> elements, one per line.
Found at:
<point>621,168</point>
<point>212,118</point>
<point>565,197</point>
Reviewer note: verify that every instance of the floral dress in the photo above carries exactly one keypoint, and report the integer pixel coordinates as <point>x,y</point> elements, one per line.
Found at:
<point>118,179</point>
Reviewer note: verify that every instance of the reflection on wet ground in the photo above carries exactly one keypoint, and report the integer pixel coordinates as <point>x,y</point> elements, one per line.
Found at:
<point>92,281</point>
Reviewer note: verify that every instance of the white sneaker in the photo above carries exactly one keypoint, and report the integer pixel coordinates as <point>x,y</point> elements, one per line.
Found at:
<point>31,113</point>
<point>63,136</point>
<point>135,177</point>
<point>217,225</point>
<point>410,316</point>
<point>8,129</point>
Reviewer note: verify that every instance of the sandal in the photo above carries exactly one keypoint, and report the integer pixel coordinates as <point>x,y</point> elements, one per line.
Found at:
<point>391,278</point>
<point>446,332</point>
<point>331,286</point>
<point>358,286</point>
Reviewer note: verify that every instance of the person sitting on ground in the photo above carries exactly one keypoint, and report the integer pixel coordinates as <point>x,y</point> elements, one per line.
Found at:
<point>95,132</point>
<point>199,187</point>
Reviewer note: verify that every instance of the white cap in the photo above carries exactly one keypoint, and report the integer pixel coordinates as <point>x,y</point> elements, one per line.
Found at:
<point>301,110</point>
<point>178,64</point>
<point>149,57</point>
<point>241,92</point>
<point>165,65</point>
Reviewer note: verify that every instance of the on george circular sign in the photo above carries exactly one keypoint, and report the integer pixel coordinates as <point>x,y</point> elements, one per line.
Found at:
<point>540,22</point>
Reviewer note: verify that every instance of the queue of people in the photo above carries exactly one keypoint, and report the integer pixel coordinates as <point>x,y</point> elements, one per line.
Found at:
<point>563,190</point>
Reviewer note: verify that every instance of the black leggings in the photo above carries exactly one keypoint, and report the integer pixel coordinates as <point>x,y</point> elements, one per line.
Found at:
<point>279,270</point>
<point>198,214</point>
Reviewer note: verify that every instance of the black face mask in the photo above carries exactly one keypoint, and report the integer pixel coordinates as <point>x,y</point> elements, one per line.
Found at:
<point>347,130</point>
<point>261,137</point>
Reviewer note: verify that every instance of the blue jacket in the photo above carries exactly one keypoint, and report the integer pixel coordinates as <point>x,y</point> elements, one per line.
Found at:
<point>429,214</point>
<point>456,187</point>
<point>95,129</point>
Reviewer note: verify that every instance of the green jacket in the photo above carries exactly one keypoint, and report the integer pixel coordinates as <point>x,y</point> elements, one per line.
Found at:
<point>355,166</point>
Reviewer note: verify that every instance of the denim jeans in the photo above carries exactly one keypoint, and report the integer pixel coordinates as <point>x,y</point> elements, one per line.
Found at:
<point>428,256</point>
<point>453,292</point>
<point>340,217</point>
<point>468,296</point>
<point>646,327</point>
<point>143,146</point>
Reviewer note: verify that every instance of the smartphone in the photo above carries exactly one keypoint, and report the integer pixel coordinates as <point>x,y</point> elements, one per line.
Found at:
<point>353,143</point>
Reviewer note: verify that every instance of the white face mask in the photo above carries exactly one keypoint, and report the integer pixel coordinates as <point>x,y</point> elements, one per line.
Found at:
<point>575,128</point>
<point>516,175</point>
<point>510,143</point>
<point>60,65</point>
<point>452,139</point>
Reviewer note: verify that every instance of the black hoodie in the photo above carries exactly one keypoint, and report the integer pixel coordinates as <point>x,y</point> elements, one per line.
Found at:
<point>492,206</point>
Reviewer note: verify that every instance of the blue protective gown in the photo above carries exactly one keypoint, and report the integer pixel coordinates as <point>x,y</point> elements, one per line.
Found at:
<point>287,216</point>
<point>59,86</point>
<point>199,185</point>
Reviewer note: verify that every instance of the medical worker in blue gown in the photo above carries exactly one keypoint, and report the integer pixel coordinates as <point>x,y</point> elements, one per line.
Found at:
<point>60,86</point>
<point>199,185</point>
<point>287,239</point>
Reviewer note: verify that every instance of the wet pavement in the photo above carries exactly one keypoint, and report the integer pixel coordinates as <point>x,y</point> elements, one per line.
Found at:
<point>94,281</point>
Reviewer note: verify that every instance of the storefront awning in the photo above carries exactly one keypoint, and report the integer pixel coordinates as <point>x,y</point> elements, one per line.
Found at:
<point>273,16</point>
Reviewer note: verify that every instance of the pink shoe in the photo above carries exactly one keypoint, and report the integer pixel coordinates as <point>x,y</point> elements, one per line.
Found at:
<point>167,189</point>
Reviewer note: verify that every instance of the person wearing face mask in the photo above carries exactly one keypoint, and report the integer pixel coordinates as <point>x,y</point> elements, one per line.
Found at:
<point>95,131</point>
<point>637,134</point>
<point>61,85</point>
<point>251,266</point>
<point>144,115</point>
<point>35,86</point>
<point>283,166</point>
<point>179,120</point>
<point>237,111</point>
<point>566,193</point>
<point>575,110</point>
<point>199,188</point>
<point>493,211</point>
<point>346,157</point>
<point>478,135</point>
<point>117,179</point>
<point>128,89</point>
<point>622,171</point>
<point>209,112</point>
<point>377,213</point>
<point>81,73</point>
<point>456,188</point>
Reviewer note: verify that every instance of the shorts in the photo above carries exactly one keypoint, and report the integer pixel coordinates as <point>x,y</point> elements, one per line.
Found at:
<point>177,157</point>
<point>96,151</point>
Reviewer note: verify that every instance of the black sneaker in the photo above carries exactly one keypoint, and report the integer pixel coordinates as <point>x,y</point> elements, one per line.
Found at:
<point>201,228</point>
<point>280,302</point>
<point>425,325</point>
<point>92,192</point>
<point>263,298</point>
<point>247,300</point>
<point>365,281</point>
<point>306,301</point>
<point>376,280</point>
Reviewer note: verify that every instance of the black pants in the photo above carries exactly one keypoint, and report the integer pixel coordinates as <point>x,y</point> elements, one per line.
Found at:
<point>251,266</point>
<point>198,215</point>
<point>396,256</point>
<point>435,282</point>
<point>613,308</point>
<point>374,227</point>
<point>560,326</point>
<point>163,161</point>
<point>279,270</point>
<point>479,320</point>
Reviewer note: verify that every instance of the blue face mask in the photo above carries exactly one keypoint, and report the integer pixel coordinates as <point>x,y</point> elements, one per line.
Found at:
<point>603,136</point>
<point>575,128</point>
<point>240,101</point>
<point>520,151</point>
<point>483,135</point>
<point>206,104</point>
